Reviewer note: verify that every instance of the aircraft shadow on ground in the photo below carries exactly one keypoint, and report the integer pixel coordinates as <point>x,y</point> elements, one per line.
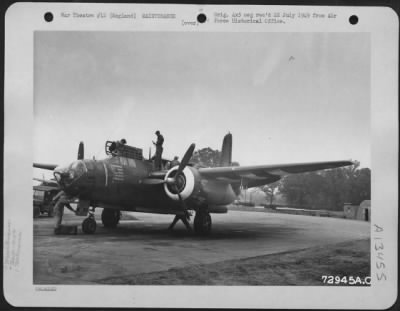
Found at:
<point>219,232</point>
<point>159,231</point>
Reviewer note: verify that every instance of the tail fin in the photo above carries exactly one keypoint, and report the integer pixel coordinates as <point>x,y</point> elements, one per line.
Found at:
<point>226,152</point>
<point>81,152</point>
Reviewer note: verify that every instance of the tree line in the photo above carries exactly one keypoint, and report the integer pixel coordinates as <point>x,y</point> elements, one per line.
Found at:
<point>328,189</point>
<point>208,157</point>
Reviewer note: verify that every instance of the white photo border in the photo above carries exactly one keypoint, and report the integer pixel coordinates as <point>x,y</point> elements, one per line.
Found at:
<point>23,19</point>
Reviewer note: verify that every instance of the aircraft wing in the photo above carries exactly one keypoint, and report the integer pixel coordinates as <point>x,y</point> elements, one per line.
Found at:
<point>45,182</point>
<point>45,166</point>
<point>259,175</point>
<point>46,188</point>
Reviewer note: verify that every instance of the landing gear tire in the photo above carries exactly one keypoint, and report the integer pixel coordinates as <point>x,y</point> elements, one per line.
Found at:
<point>89,226</point>
<point>110,217</point>
<point>202,223</point>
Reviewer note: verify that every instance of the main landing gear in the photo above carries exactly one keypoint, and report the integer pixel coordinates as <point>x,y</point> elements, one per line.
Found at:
<point>202,222</point>
<point>89,224</point>
<point>110,217</point>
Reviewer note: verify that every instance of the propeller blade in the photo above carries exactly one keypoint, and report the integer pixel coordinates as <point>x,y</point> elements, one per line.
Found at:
<point>183,204</point>
<point>81,153</point>
<point>185,159</point>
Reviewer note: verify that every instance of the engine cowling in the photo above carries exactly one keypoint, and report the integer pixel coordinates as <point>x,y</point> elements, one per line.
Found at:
<point>186,184</point>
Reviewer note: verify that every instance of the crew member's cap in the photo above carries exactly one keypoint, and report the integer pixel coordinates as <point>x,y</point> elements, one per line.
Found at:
<point>123,141</point>
<point>157,132</point>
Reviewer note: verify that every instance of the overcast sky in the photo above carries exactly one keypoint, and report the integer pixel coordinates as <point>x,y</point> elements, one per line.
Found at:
<point>294,97</point>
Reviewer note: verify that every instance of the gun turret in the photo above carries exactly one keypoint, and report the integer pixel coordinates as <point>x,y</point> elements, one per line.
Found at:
<point>115,148</point>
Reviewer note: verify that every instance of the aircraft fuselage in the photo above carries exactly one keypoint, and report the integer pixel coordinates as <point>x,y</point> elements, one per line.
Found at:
<point>117,182</point>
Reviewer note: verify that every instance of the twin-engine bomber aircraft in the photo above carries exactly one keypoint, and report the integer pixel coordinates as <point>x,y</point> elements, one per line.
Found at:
<point>126,182</point>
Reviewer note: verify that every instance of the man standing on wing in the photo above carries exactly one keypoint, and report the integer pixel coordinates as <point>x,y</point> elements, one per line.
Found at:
<point>159,149</point>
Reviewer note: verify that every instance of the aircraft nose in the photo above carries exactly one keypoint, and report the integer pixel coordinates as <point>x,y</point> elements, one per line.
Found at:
<point>61,175</point>
<point>69,174</point>
<point>77,168</point>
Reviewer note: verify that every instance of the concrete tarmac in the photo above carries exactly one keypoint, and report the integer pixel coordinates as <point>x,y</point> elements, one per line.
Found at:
<point>145,245</point>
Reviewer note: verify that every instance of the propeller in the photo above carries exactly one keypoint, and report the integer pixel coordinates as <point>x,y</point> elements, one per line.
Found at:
<point>174,180</point>
<point>81,152</point>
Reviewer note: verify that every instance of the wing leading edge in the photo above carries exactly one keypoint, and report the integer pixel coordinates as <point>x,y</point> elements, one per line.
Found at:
<point>258,175</point>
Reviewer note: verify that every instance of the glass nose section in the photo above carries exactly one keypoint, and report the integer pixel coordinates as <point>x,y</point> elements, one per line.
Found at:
<point>66,175</point>
<point>61,174</point>
<point>57,176</point>
<point>76,169</point>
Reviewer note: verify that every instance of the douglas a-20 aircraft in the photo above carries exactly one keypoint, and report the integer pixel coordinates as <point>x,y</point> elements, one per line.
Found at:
<point>125,181</point>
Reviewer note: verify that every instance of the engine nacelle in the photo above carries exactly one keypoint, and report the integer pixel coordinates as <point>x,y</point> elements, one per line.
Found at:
<point>187,184</point>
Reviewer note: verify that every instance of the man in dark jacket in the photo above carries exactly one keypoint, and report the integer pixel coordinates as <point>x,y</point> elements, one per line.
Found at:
<point>175,161</point>
<point>159,149</point>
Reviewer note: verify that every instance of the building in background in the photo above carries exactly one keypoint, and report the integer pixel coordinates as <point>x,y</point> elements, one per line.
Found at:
<point>359,212</point>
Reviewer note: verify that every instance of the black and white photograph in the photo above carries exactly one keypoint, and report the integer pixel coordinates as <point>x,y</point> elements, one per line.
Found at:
<point>202,159</point>
<point>193,128</point>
